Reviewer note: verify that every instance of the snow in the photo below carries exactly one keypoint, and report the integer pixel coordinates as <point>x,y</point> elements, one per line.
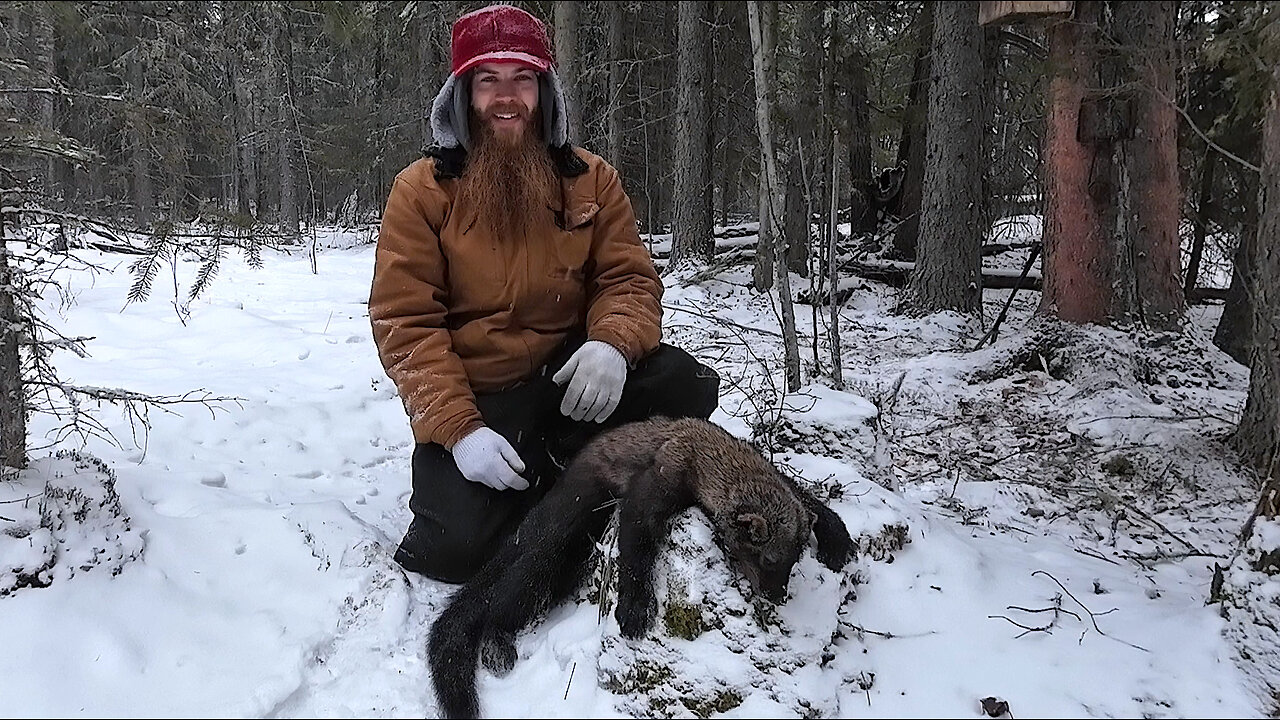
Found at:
<point>247,570</point>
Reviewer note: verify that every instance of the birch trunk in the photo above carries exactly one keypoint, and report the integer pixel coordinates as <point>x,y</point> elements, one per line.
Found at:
<point>762,62</point>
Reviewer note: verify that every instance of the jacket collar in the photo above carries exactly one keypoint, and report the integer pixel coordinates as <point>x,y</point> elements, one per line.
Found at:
<point>577,204</point>
<point>452,161</point>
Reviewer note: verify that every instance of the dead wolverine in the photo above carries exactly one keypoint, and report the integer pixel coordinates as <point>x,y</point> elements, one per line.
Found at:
<point>653,469</point>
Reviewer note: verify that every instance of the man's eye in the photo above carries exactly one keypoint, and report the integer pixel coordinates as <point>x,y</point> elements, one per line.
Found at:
<point>488,79</point>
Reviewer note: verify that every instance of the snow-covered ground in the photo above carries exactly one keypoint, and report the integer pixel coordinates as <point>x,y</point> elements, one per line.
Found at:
<point>1038,520</point>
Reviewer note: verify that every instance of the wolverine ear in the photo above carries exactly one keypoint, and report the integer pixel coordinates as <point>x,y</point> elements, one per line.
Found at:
<point>756,527</point>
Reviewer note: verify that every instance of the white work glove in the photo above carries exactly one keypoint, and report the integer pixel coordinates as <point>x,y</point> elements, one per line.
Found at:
<point>598,372</point>
<point>486,457</point>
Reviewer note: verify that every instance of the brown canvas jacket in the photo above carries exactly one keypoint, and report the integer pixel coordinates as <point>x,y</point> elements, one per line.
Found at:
<point>455,310</point>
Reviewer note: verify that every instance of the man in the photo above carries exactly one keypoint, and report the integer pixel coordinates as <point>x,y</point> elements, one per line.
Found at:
<point>512,301</point>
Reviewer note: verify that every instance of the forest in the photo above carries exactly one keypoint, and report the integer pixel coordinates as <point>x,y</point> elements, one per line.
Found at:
<point>1007,268</point>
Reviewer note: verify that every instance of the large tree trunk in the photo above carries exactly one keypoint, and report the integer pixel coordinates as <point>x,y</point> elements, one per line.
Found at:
<point>915,130</point>
<point>615,17</point>
<point>1111,225</point>
<point>948,274</point>
<point>1258,436</point>
<point>761,33</point>
<point>567,64</point>
<point>861,216</point>
<point>13,410</point>
<point>692,238</point>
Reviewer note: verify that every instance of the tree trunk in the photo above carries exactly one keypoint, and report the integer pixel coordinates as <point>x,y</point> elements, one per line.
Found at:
<point>1111,225</point>
<point>140,150</point>
<point>861,217</point>
<point>796,221</point>
<point>1204,196</point>
<point>764,48</point>
<point>566,49</point>
<point>762,271</point>
<point>13,408</point>
<point>1258,437</point>
<point>1234,334</point>
<point>615,17</point>
<point>948,274</point>
<point>915,130</point>
<point>762,61</point>
<point>693,211</point>
<point>42,62</point>
<point>286,126</point>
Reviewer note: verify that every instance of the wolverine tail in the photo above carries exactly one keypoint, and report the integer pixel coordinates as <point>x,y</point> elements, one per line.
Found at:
<point>540,566</point>
<point>454,647</point>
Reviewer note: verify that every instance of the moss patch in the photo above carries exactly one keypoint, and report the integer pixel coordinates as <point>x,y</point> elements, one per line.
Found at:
<point>721,702</point>
<point>683,620</point>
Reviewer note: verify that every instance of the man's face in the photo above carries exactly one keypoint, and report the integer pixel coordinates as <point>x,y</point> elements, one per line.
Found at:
<point>504,96</point>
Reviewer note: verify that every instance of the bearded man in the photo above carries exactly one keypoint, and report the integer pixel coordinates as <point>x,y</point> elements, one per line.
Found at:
<point>512,304</point>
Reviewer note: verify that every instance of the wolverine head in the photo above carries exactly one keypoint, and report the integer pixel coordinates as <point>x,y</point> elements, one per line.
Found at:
<point>765,540</point>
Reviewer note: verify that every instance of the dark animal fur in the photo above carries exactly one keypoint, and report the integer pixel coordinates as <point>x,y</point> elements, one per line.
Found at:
<point>653,469</point>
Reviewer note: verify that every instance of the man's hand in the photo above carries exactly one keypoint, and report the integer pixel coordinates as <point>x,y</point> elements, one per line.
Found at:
<point>486,457</point>
<point>596,374</point>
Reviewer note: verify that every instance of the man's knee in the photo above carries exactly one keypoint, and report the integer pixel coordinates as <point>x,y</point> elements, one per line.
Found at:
<point>674,383</point>
<point>457,524</point>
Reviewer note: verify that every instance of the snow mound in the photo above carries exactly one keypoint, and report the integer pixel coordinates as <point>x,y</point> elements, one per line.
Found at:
<point>66,519</point>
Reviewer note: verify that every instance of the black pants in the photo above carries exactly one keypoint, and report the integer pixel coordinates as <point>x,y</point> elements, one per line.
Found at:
<point>458,524</point>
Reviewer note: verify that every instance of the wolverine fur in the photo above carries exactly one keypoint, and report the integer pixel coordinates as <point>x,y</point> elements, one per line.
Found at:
<point>650,470</point>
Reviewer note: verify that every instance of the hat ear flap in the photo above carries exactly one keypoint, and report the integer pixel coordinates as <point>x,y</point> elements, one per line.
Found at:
<point>450,112</point>
<point>462,109</point>
<point>555,111</point>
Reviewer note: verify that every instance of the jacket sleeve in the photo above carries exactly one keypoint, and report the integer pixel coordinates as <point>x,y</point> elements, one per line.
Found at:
<point>624,291</point>
<point>407,309</point>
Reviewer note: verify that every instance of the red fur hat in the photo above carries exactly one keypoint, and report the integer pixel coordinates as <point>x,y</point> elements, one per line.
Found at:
<point>500,34</point>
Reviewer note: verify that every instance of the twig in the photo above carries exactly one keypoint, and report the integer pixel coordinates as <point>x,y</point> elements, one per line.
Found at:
<point>1092,554</point>
<point>1166,530</point>
<point>24,499</point>
<point>995,326</point>
<point>1093,617</point>
<point>566,687</point>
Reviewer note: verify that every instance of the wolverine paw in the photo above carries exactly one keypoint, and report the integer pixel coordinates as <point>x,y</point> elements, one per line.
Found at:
<point>835,547</point>
<point>635,615</point>
<point>498,653</point>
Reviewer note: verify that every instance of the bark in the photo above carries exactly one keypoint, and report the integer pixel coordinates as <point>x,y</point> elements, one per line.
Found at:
<point>693,209</point>
<point>1111,225</point>
<point>615,17</point>
<point>1204,198</point>
<point>762,271</point>
<point>140,147</point>
<point>286,125</point>
<point>567,64</point>
<point>1258,436</point>
<point>948,274</point>
<point>764,49</point>
<point>912,148</point>
<point>1234,334</point>
<point>42,62</point>
<point>861,217</point>
<point>13,413</point>
<point>762,62</point>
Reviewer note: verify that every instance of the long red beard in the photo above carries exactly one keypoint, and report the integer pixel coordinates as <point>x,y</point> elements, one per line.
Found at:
<point>509,179</point>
